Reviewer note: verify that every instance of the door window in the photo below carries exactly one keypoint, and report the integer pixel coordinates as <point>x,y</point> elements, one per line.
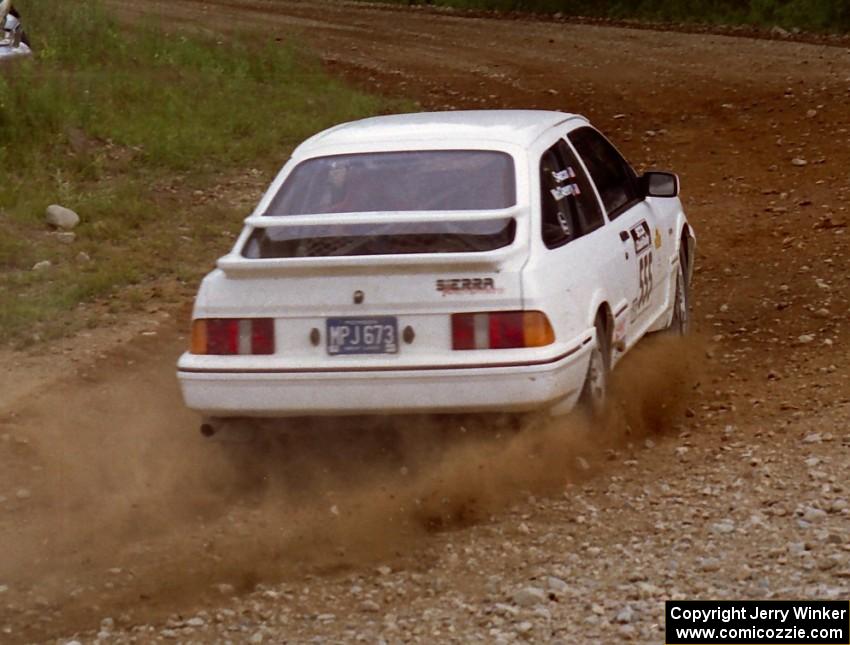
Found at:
<point>583,199</point>
<point>614,177</point>
<point>569,207</point>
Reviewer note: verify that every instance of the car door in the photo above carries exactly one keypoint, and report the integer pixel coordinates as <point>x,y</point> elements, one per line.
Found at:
<point>632,228</point>
<point>565,272</point>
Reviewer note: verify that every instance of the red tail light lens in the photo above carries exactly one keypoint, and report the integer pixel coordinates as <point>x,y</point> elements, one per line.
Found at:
<point>506,330</point>
<point>229,336</point>
<point>501,330</point>
<point>463,331</point>
<point>262,336</point>
<point>222,336</point>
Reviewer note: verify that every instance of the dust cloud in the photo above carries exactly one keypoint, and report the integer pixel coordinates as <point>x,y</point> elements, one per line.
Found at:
<point>130,504</point>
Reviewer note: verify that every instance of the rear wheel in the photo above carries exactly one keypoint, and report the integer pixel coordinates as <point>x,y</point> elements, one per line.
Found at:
<point>594,394</point>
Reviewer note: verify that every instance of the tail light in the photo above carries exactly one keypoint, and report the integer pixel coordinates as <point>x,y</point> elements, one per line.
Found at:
<point>225,336</point>
<point>501,330</point>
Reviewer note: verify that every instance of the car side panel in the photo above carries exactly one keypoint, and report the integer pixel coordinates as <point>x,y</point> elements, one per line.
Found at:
<point>670,220</point>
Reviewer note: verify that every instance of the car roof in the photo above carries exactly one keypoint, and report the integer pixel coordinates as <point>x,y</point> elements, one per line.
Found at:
<point>518,127</point>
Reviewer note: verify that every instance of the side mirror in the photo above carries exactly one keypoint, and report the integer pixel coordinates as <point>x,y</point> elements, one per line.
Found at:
<point>659,184</point>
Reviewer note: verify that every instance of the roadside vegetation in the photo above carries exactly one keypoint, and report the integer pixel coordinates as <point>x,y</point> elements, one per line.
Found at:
<point>144,134</point>
<point>817,15</point>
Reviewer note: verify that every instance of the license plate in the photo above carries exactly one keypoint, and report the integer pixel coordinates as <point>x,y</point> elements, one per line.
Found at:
<point>378,335</point>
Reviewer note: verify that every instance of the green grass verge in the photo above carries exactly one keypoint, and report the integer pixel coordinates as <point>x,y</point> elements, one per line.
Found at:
<point>128,127</point>
<point>815,15</point>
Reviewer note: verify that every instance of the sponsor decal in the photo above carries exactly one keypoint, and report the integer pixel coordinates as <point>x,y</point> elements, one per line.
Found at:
<point>562,192</point>
<point>641,237</point>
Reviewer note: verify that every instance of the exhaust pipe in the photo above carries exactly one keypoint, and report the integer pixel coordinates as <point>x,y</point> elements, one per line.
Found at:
<point>229,430</point>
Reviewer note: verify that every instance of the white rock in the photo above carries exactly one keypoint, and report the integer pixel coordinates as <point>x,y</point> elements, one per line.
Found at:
<point>256,638</point>
<point>197,621</point>
<point>83,257</point>
<point>61,217</point>
<point>710,564</point>
<point>370,606</point>
<point>529,596</point>
<point>797,161</point>
<point>502,608</point>
<point>814,514</point>
<point>41,266</point>
<point>723,527</point>
<point>625,615</point>
<point>556,584</point>
<point>805,339</point>
<point>23,493</point>
<point>66,237</point>
<point>813,437</point>
<point>838,505</point>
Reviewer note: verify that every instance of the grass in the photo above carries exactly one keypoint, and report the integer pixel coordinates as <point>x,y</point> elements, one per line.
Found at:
<point>135,129</point>
<point>816,15</point>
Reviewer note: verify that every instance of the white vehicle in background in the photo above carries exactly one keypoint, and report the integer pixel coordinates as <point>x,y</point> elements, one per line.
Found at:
<point>439,262</point>
<point>13,38</point>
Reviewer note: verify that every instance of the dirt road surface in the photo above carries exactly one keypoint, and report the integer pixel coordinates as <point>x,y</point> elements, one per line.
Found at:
<point>722,474</point>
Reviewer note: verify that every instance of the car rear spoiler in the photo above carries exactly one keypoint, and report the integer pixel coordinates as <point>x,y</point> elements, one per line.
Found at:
<point>235,263</point>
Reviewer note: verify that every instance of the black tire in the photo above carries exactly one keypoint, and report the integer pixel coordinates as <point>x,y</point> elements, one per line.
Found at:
<point>680,322</point>
<point>594,393</point>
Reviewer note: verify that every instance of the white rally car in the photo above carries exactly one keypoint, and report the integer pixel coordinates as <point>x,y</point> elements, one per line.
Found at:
<point>13,39</point>
<point>439,262</point>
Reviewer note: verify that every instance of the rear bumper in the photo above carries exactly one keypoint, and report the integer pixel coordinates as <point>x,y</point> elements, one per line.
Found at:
<point>7,52</point>
<point>478,389</point>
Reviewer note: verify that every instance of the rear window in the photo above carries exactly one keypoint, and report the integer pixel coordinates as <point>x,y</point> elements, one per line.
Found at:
<point>423,180</point>
<point>383,239</point>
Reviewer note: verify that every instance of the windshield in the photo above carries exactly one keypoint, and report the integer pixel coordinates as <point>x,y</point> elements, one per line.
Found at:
<point>424,180</point>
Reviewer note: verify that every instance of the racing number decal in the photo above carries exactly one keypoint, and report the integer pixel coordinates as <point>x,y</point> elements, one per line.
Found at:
<point>643,250</point>
<point>644,279</point>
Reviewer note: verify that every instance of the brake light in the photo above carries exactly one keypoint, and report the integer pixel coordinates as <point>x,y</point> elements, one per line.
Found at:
<point>229,336</point>
<point>501,330</point>
<point>262,336</point>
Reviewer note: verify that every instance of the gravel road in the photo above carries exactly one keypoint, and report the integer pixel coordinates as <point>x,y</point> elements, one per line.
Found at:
<point>720,475</point>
